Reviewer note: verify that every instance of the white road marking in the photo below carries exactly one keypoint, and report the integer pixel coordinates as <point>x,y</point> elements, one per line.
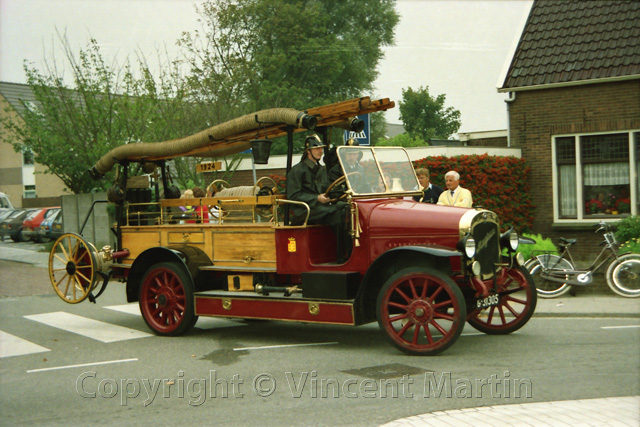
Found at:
<point>283,346</point>
<point>620,327</point>
<point>203,322</point>
<point>94,329</point>
<point>55,368</point>
<point>11,345</point>
<point>132,308</point>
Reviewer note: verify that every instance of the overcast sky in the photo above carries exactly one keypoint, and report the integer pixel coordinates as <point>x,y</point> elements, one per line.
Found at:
<point>457,48</point>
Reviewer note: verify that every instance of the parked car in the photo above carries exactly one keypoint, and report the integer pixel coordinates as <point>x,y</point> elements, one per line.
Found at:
<point>12,225</point>
<point>5,204</point>
<point>51,227</point>
<point>31,224</point>
<point>4,214</point>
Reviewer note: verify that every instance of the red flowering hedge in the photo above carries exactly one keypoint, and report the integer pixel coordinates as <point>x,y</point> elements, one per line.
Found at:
<point>496,183</point>
<point>499,184</point>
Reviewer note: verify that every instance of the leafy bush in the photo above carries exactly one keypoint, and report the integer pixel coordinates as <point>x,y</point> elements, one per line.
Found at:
<point>281,183</point>
<point>628,233</point>
<point>542,245</point>
<point>632,246</point>
<point>499,184</point>
<point>628,228</point>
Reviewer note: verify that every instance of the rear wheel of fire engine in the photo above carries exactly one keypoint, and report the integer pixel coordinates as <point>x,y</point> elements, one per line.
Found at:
<point>421,311</point>
<point>549,288</point>
<point>166,299</point>
<point>72,266</point>
<point>516,305</point>
<point>623,275</point>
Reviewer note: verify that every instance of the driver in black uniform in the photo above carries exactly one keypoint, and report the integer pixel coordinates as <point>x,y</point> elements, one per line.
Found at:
<point>352,168</point>
<point>306,182</point>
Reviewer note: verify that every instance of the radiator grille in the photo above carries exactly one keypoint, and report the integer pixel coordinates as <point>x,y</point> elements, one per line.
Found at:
<point>487,237</point>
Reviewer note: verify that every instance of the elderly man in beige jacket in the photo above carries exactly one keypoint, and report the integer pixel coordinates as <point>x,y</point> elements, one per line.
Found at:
<point>455,195</point>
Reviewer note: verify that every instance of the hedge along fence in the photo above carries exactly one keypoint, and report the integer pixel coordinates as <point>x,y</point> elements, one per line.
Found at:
<point>499,184</point>
<point>496,183</point>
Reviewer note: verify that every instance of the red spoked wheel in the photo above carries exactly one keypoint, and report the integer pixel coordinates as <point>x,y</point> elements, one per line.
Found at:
<point>518,297</point>
<point>421,311</point>
<point>166,299</point>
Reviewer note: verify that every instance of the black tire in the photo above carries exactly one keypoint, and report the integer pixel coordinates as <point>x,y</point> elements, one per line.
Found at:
<point>421,311</point>
<point>516,306</point>
<point>623,275</point>
<point>19,236</point>
<point>548,288</point>
<point>166,299</point>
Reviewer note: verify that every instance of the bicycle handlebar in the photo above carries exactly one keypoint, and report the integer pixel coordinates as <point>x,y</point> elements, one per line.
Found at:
<point>602,226</point>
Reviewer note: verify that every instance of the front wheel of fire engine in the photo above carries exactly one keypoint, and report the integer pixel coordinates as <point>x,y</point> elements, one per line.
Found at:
<point>516,304</point>
<point>421,311</point>
<point>166,299</point>
<point>72,268</point>
<point>623,275</point>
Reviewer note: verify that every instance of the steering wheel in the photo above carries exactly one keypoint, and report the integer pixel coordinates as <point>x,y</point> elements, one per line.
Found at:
<point>336,183</point>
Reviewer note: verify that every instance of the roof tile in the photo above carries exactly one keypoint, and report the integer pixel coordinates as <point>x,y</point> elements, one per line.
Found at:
<point>568,40</point>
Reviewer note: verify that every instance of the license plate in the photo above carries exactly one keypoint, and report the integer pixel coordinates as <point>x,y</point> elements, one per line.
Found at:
<point>490,301</point>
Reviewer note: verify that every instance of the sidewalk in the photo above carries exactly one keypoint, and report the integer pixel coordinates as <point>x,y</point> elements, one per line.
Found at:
<point>27,256</point>
<point>581,305</point>
<point>609,411</point>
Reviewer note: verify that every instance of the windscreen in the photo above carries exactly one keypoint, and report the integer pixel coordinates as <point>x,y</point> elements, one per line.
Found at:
<point>370,170</point>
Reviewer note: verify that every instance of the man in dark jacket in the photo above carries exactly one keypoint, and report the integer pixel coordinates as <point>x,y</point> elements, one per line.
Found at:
<point>431,192</point>
<point>306,182</point>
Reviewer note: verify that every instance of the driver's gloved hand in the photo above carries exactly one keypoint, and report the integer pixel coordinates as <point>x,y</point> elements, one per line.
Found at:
<point>331,157</point>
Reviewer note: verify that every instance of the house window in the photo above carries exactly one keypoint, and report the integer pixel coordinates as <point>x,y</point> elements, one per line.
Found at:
<point>27,158</point>
<point>29,192</point>
<point>596,176</point>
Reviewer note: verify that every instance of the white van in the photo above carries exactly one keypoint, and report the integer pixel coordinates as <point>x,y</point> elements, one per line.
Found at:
<point>5,203</point>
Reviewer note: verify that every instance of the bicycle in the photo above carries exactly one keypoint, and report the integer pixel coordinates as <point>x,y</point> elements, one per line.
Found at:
<point>554,275</point>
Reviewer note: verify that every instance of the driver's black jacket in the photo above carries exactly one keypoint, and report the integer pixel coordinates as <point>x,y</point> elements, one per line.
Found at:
<point>305,182</point>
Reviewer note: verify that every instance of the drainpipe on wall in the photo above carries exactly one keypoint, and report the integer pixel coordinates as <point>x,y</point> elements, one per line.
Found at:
<point>512,97</point>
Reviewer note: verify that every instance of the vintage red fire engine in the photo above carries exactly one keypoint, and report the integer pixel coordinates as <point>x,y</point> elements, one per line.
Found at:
<point>419,270</point>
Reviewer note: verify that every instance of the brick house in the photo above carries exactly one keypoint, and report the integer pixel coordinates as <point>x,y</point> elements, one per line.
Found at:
<point>574,110</point>
<point>23,180</point>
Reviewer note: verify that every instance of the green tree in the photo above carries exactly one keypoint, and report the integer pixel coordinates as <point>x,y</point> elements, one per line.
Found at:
<point>70,126</point>
<point>425,117</point>
<point>256,54</point>
<point>402,140</point>
<point>250,55</point>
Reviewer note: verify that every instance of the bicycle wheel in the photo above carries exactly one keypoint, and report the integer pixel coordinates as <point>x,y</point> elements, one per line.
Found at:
<point>623,275</point>
<point>548,288</point>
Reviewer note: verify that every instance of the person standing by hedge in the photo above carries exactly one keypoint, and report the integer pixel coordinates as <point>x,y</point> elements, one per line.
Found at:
<point>431,192</point>
<point>455,195</point>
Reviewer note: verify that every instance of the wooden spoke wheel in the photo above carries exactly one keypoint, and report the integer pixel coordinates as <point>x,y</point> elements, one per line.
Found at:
<point>515,307</point>
<point>421,311</point>
<point>72,268</point>
<point>166,299</point>
<point>216,186</point>
<point>265,186</point>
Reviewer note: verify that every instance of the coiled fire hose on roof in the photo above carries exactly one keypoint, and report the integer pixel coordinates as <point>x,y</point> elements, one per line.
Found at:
<point>218,132</point>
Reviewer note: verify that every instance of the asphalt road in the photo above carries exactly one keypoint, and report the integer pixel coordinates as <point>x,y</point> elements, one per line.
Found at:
<point>228,372</point>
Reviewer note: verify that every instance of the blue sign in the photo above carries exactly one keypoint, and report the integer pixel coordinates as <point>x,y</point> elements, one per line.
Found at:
<point>364,137</point>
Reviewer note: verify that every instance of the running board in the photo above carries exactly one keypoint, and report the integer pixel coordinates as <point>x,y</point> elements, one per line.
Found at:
<point>274,308</point>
